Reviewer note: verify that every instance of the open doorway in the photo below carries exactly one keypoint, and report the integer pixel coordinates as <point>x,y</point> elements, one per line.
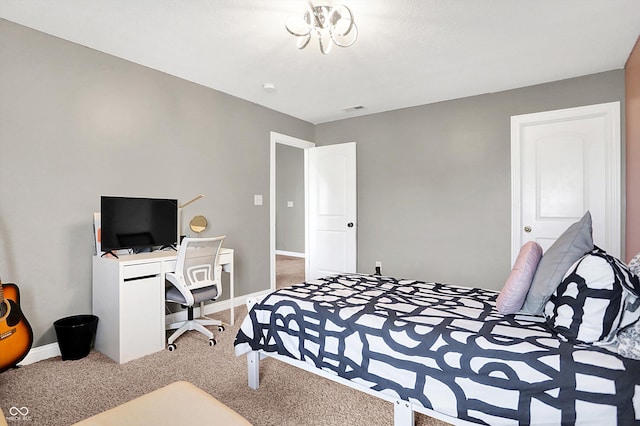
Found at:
<point>290,215</point>
<point>289,270</point>
<point>287,204</point>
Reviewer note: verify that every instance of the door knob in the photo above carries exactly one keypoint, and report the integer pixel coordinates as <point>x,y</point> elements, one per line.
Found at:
<point>350,224</point>
<point>527,229</point>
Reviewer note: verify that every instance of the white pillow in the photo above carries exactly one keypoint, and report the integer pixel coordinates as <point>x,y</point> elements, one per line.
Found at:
<point>596,298</point>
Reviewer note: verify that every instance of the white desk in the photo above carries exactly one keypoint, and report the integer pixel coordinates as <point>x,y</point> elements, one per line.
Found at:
<point>128,299</point>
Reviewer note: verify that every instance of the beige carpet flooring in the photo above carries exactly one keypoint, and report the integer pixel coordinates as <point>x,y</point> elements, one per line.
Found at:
<point>60,392</point>
<point>289,270</point>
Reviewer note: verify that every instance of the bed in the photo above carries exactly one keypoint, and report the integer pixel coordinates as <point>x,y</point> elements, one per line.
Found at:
<point>439,349</point>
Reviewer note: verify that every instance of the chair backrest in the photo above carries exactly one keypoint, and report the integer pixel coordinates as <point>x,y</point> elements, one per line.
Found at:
<point>197,263</point>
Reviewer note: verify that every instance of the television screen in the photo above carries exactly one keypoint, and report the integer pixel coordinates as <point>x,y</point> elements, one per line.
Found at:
<point>137,223</point>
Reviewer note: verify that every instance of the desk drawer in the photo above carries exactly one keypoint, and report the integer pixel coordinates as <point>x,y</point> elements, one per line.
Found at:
<point>141,270</point>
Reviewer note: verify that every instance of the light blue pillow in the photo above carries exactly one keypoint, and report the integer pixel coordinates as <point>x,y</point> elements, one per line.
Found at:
<point>564,252</point>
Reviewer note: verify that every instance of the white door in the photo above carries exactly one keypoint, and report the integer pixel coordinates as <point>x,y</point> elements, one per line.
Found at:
<point>331,209</point>
<point>564,163</point>
<point>278,138</point>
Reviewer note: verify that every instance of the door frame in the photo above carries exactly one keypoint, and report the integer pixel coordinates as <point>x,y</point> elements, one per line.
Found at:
<point>278,138</point>
<point>613,207</point>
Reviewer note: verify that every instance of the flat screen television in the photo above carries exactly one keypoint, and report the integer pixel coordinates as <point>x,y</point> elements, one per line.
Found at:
<point>137,223</point>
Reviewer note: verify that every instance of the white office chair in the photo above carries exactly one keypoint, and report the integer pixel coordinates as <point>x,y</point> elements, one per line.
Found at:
<point>197,278</point>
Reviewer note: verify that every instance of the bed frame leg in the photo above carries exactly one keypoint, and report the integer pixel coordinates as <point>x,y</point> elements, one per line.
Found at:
<point>402,413</point>
<point>253,368</point>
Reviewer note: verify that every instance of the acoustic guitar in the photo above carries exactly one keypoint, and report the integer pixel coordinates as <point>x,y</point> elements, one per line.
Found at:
<point>16,336</point>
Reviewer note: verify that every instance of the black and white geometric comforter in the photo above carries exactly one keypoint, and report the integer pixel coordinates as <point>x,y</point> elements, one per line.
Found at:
<point>446,348</point>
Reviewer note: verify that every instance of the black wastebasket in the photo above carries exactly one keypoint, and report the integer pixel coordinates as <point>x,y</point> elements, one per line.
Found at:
<point>76,335</point>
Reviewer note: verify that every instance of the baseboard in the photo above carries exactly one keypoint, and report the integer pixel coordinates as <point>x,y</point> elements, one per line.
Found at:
<point>290,253</point>
<point>51,350</point>
<point>40,353</point>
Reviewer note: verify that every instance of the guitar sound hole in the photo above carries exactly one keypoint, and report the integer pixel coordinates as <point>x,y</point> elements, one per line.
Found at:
<point>15,315</point>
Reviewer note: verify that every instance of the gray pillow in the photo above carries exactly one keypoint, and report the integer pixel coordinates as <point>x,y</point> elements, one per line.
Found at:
<point>564,252</point>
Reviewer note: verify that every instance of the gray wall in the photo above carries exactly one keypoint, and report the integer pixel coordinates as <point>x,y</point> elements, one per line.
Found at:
<point>76,124</point>
<point>434,191</point>
<point>289,187</point>
<point>433,181</point>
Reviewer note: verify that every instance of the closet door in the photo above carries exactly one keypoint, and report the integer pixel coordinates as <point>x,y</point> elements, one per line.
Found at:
<point>564,163</point>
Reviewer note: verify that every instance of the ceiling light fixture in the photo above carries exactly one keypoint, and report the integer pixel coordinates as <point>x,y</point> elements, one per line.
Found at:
<point>332,25</point>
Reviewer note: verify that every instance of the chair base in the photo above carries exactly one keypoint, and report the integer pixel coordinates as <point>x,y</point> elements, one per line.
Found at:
<point>191,323</point>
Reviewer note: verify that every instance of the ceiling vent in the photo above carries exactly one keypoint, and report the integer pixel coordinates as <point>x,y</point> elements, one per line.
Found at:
<point>353,108</point>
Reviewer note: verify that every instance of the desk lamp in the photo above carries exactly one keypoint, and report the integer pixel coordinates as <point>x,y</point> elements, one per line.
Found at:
<point>180,207</point>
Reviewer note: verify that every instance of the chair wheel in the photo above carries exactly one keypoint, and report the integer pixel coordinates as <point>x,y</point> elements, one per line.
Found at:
<point>172,347</point>
<point>221,328</point>
<point>212,342</point>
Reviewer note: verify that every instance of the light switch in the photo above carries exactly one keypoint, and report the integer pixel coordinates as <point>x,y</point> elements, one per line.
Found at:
<point>257,200</point>
<point>289,203</point>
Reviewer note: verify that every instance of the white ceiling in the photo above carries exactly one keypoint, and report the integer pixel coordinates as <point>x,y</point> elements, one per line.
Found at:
<point>409,52</point>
